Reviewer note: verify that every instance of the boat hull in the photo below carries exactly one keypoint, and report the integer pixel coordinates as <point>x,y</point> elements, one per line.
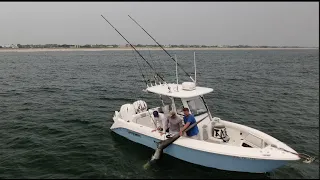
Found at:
<point>212,160</point>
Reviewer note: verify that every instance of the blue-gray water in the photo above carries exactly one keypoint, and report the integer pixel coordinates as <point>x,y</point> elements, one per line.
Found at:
<point>56,109</point>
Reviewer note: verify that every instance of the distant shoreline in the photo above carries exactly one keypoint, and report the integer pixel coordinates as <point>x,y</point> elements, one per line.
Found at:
<point>127,49</point>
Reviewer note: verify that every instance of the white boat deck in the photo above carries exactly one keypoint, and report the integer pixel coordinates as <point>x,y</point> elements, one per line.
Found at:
<point>145,119</point>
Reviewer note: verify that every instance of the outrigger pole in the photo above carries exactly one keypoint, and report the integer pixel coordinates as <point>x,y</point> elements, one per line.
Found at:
<point>134,49</point>
<point>162,48</point>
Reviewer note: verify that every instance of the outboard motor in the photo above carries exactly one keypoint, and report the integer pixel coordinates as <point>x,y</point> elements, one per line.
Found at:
<point>140,106</point>
<point>127,111</point>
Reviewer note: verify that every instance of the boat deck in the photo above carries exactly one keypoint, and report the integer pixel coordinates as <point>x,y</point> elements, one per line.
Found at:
<point>236,139</point>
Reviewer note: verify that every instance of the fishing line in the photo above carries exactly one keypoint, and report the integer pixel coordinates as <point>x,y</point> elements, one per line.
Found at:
<point>161,48</point>
<point>134,49</point>
<point>144,79</point>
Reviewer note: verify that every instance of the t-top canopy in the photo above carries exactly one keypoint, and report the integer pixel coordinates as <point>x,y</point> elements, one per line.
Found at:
<point>181,93</point>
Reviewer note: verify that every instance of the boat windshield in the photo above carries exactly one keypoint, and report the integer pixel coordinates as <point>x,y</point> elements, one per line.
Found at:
<point>197,106</point>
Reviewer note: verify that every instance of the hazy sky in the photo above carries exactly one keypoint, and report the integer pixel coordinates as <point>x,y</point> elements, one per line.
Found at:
<point>210,23</point>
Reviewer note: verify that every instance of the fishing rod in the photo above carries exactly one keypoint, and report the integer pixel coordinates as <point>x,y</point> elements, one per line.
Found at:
<point>134,48</point>
<point>161,47</point>
<point>173,60</point>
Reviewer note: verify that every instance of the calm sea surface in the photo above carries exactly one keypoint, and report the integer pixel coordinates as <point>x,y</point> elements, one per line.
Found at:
<point>56,109</point>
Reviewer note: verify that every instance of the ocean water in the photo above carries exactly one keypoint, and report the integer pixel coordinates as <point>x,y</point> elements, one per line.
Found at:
<point>56,109</point>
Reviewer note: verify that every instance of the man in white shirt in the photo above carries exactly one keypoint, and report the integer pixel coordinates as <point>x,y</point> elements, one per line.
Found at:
<point>162,122</point>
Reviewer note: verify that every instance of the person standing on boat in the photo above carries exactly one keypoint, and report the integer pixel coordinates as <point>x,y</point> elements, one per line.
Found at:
<point>174,123</point>
<point>189,120</point>
<point>161,122</point>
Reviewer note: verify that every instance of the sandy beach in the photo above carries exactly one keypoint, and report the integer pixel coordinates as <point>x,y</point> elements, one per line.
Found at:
<point>129,49</point>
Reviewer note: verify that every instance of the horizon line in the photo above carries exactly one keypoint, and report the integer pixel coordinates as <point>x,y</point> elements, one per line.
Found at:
<point>2,45</point>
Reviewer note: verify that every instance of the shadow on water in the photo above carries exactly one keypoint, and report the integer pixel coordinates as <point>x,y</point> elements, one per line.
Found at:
<point>170,167</point>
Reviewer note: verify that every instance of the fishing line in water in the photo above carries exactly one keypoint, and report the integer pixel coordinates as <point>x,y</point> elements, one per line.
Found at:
<point>145,69</point>
<point>151,60</point>
<point>162,66</point>
<point>144,79</point>
<point>157,67</point>
<point>157,62</point>
<point>153,75</point>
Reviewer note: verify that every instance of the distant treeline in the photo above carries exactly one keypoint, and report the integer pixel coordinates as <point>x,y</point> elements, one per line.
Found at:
<point>138,45</point>
<point>217,46</point>
<point>60,46</point>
